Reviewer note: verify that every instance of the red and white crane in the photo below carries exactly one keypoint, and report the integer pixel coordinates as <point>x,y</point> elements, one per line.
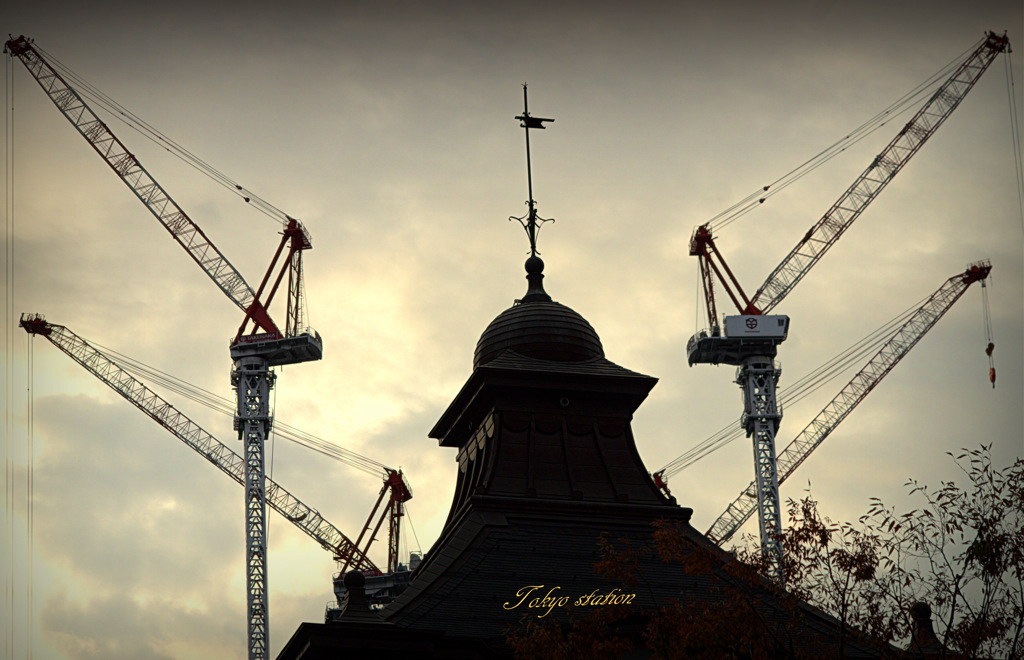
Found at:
<point>253,354</point>
<point>350,555</point>
<point>750,340</point>
<point>888,356</point>
<point>106,369</point>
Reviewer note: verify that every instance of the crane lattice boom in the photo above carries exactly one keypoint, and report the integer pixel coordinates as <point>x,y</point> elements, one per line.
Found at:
<point>98,364</point>
<point>894,350</point>
<point>879,173</point>
<point>134,175</point>
<point>735,346</point>
<point>253,354</point>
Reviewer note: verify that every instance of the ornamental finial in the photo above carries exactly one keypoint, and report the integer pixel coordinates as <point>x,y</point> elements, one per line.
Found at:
<point>531,221</point>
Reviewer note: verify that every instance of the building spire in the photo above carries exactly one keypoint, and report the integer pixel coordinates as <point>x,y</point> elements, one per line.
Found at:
<point>531,221</point>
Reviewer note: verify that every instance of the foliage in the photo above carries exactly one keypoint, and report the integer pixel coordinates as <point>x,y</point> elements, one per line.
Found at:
<point>836,568</point>
<point>961,551</point>
<point>587,636</point>
<point>727,620</point>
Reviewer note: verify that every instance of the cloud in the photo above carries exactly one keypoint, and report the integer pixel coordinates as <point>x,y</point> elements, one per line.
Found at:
<point>390,133</point>
<point>116,627</point>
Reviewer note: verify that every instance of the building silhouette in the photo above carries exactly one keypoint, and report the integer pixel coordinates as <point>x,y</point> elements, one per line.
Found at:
<point>547,468</point>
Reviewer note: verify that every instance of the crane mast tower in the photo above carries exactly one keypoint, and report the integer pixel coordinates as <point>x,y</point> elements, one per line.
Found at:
<point>253,355</point>
<point>863,383</point>
<point>751,339</point>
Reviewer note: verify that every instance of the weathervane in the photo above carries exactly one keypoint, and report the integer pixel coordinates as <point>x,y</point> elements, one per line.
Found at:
<point>531,221</point>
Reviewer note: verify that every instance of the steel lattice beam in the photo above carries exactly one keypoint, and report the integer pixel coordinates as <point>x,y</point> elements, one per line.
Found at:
<point>134,175</point>
<point>879,173</point>
<point>253,381</point>
<point>266,342</point>
<point>894,350</point>
<point>307,519</point>
<point>759,377</point>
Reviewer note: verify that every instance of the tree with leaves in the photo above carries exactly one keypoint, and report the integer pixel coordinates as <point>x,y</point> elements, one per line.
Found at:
<point>961,552</point>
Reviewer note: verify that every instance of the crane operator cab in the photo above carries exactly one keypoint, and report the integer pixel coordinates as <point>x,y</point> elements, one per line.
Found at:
<point>746,335</point>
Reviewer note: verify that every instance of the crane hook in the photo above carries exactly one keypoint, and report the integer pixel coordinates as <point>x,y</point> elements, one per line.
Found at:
<point>988,334</point>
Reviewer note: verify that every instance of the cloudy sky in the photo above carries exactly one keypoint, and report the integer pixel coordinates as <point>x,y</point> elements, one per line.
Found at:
<point>388,129</point>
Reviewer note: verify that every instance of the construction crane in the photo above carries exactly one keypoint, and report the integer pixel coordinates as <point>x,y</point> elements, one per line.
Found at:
<point>750,340</point>
<point>166,415</point>
<point>888,356</point>
<point>347,553</point>
<point>399,493</point>
<point>253,354</point>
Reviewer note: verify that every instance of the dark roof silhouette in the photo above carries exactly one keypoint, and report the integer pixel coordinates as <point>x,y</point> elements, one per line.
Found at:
<point>547,465</point>
<point>536,327</point>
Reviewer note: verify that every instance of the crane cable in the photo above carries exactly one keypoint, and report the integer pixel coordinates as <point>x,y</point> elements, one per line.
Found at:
<point>10,632</point>
<point>1015,138</point>
<point>895,109</point>
<point>226,406</point>
<point>30,479</point>
<point>1015,142</point>
<point>414,535</point>
<point>133,121</point>
<point>989,342</point>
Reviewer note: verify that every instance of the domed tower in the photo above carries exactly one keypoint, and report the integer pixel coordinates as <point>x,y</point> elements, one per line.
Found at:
<point>545,416</point>
<point>547,471</point>
<point>539,328</point>
<point>547,463</point>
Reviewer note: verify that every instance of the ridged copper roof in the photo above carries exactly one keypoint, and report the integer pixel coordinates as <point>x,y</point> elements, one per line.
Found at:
<point>539,328</point>
<point>542,330</point>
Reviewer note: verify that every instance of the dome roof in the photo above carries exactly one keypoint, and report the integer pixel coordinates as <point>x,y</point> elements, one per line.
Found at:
<point>539,328</point>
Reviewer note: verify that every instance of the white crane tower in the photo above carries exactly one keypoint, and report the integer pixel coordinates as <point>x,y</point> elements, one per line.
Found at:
<point>253,355</point>
<point>751,339</point>
<point>863,383</point>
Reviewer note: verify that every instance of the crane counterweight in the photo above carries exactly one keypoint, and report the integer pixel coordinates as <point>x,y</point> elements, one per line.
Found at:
<point>746,336</point>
